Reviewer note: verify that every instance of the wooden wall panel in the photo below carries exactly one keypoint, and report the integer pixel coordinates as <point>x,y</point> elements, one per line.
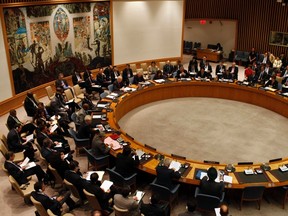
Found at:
<point>256,19</point>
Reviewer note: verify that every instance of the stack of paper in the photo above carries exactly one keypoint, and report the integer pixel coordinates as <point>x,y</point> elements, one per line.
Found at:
<point>97,116</point>
<point>102,105</point>
<point>25,162</point>
<point>54,117</point>
<point>106,185</point>
<point>159,81</point>
<point>175,165</point>
<point>115,145</point>
<point>228,179</point>
<point>111,97</point>
<point>270,89</point>
<point>283,168</point>
<point>100,174</point>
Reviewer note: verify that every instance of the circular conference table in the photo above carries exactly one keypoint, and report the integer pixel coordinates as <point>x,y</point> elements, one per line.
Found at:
<point>231,91</point>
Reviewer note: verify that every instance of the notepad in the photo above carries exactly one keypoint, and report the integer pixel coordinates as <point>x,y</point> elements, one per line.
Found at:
<point>25,162</point>
<point>228,179</point>
<point>283,168</point>
<point>175,165</point>
<point>115,145</point>
<point>270,89</point>
<point>139,153</point>
<point>249,172</point>
<point>100,175</point>
<point>97,116</point>
<point>159,80</point>
<point>54,117</point>
<point>58,145</point>
<point>30,165</point>
<point>139,195</point>
<point>53,128</point>
<point>114,94</point>
<point>100,127</point>
<point>102,105</point>
<point>110,97</point>
<point>106,185</point>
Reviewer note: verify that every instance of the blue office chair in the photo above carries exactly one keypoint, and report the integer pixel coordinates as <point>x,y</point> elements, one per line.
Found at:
<point>96,162</point>
<point>74,119</point>
<point>79,143</point>
<point>207,202</point>
<point>165,193</point>
<point>120,180</point>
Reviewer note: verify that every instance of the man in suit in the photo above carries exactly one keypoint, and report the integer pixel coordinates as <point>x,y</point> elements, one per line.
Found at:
<point>59,162</point>
<point>125,164</point>
<point>93,85</point>
<point>208,69</point>
<point>126,74</point>
<point>98,146</point>
<point>108,71</point>
<point>118,84</point>
<point>85,129</point>
<point>93,187</point>
<point>272,82</point>
<point>284,74</point>
<point>220,70</point>
<point>102,79</point>
<point>114,74</point>
<point>62,83</point>
<point>262,76</point>
<point>15,143</point>
<point>182,73</point>
<point>13,120</point>
<point>124,201</point>
<point>253,78</point>
<point>138,78</point>
<point>20,174</point>
<point>165,175</point>
<point>202,74</point>
<point>82,113</point>
<point>234,71</point>
<point>203,62</point>
<point>58,105</point>
<point>74,176</point>
<point>30,105</point>
<point>78,79</point>
<point>52,203</point>
<point>208,184</point>
<point>155,207</point>
<point>168,70</point>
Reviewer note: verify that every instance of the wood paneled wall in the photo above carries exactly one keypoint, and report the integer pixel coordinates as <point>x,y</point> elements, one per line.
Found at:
<point>256,18</point>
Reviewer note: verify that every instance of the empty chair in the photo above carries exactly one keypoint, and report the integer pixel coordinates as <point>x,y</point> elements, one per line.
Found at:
<point>4,140</point>
<point>164,192</point>
<point>96,162</point>
<point>173,63</point>
<point>79,143</point>
<point>39,207</point>
<point>120,212</point>
<point>131,80</point>
<point>25,192</point>
<point>70,97</point>
<point>78,92</point>
<point>119,180</point>
<point>207,202</point>
<point>19,156</point>
<point>50,92</point>
<point>254,194</point>
<point>57,178</point>
<point>94,204</point>
<point>144,67</point>
<point>133,68</point>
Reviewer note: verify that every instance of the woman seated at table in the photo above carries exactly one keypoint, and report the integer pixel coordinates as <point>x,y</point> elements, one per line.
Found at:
<point>159,75</point>
<point>272,83</point>
<point>152,69</point>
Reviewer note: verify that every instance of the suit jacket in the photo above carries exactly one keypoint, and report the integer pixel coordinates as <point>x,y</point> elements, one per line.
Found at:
<point>211,187</point>
<point>252,78</point>
<point>127,203</point>
<point>47,202</point>
<point>30,106</point>
<point>195,63</point>
<point>218,68</point>
<point>273,85</point>
<point>102,197</point>
<point>16,172</point>
<point>101,78</point>
<point>262,77</point>
<point>204,75</point>
<point>58,83</point>
<point>155,209</point>
<point>165,176</point>
<point>75,78</point>
<point>40,136</point>
<point>179,75</point>
<point>126,74</point>
<point>112,75</point>
<point>60,165</point>
<point>117,86</point>
<point>77,181</point>
<point>11,122</point>
<point>99,148</point>
<point>14,141</point>
<point>138,79</point>
<point>84,131</point>
<point>235,74</point>
<point>125,165</point>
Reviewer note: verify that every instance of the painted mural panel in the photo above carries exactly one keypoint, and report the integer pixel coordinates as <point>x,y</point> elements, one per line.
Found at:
<point>48,39</point>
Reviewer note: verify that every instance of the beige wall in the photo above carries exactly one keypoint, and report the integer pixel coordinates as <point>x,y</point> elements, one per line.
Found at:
<point>217,31</point>
<point>5,85</point>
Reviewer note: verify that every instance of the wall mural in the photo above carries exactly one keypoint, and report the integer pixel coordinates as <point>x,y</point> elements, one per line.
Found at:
<point>45,40</point>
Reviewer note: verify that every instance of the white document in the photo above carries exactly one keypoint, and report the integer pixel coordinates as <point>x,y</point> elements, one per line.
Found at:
<point>114,94</point>
<point>139,195</point>
<point>249,172</point>
<point>283,168</point>
<point>115,145</point>
<point>100,127</point>
<point>139,153</point>
<point>175,165</point>
<point>66,155</point>
<point>102,105</point>
<point>96,86</point>
<point>29,137</point>
<point>110,97</point>
<point>25,162</point>
<point>106,185</point>
<point>159,80</point>
<point>30,165</point>
<point>58,145</point>
<point>228,179</point>
<point>217,211</point>
<point>53,128</point>
<point>100,174</point>
<point>97,116</point>
<point>54,117</point>
<point>270,89</point>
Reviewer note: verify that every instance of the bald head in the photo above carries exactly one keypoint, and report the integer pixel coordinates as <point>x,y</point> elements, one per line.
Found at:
<point>224,211</point>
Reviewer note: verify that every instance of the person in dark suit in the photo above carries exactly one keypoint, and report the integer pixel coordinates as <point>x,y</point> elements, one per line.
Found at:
<point>52,203</point>
<point>263,76</point>
<point>155,207</point>
<point>182,73</point>
<point>114,74</point>
<point>168,69</point>
<point>138,78</point>
<point>62,83</point>
<point>78,79</point>
<point>30,104</point>
<point>234,71</point>
<point>102,79</point>
<point>98,146</point>
<point>60,163</point>
<point>272,82</point>
<point>21,174</point>
<point>92,84</point>
<point>208,184</point>
<point>93,187</point>
<point>125,164</point>
<point>193,65</point>
<point>126,74</point>
<point>15,143</point>
<point>253,78</point>
<point>85,129</point>
<point>220,70</point>
<point>108,71</point>
<point>208,69</point>
<point>227,75</point>
<point>13,120</point>
<point>202,74</point>
<point>165,175</point>
<point>74,176</point>
<point>118,84</point>
<point>58,106</point>
<point>159,75</point>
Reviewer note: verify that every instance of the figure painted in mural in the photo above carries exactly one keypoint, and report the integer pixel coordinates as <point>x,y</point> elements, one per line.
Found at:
<point>39,60</point>
<point>33,50</point>
<point>97,50</point>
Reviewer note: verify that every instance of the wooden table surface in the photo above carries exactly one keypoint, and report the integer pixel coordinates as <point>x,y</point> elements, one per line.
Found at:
<point>231,91</point>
